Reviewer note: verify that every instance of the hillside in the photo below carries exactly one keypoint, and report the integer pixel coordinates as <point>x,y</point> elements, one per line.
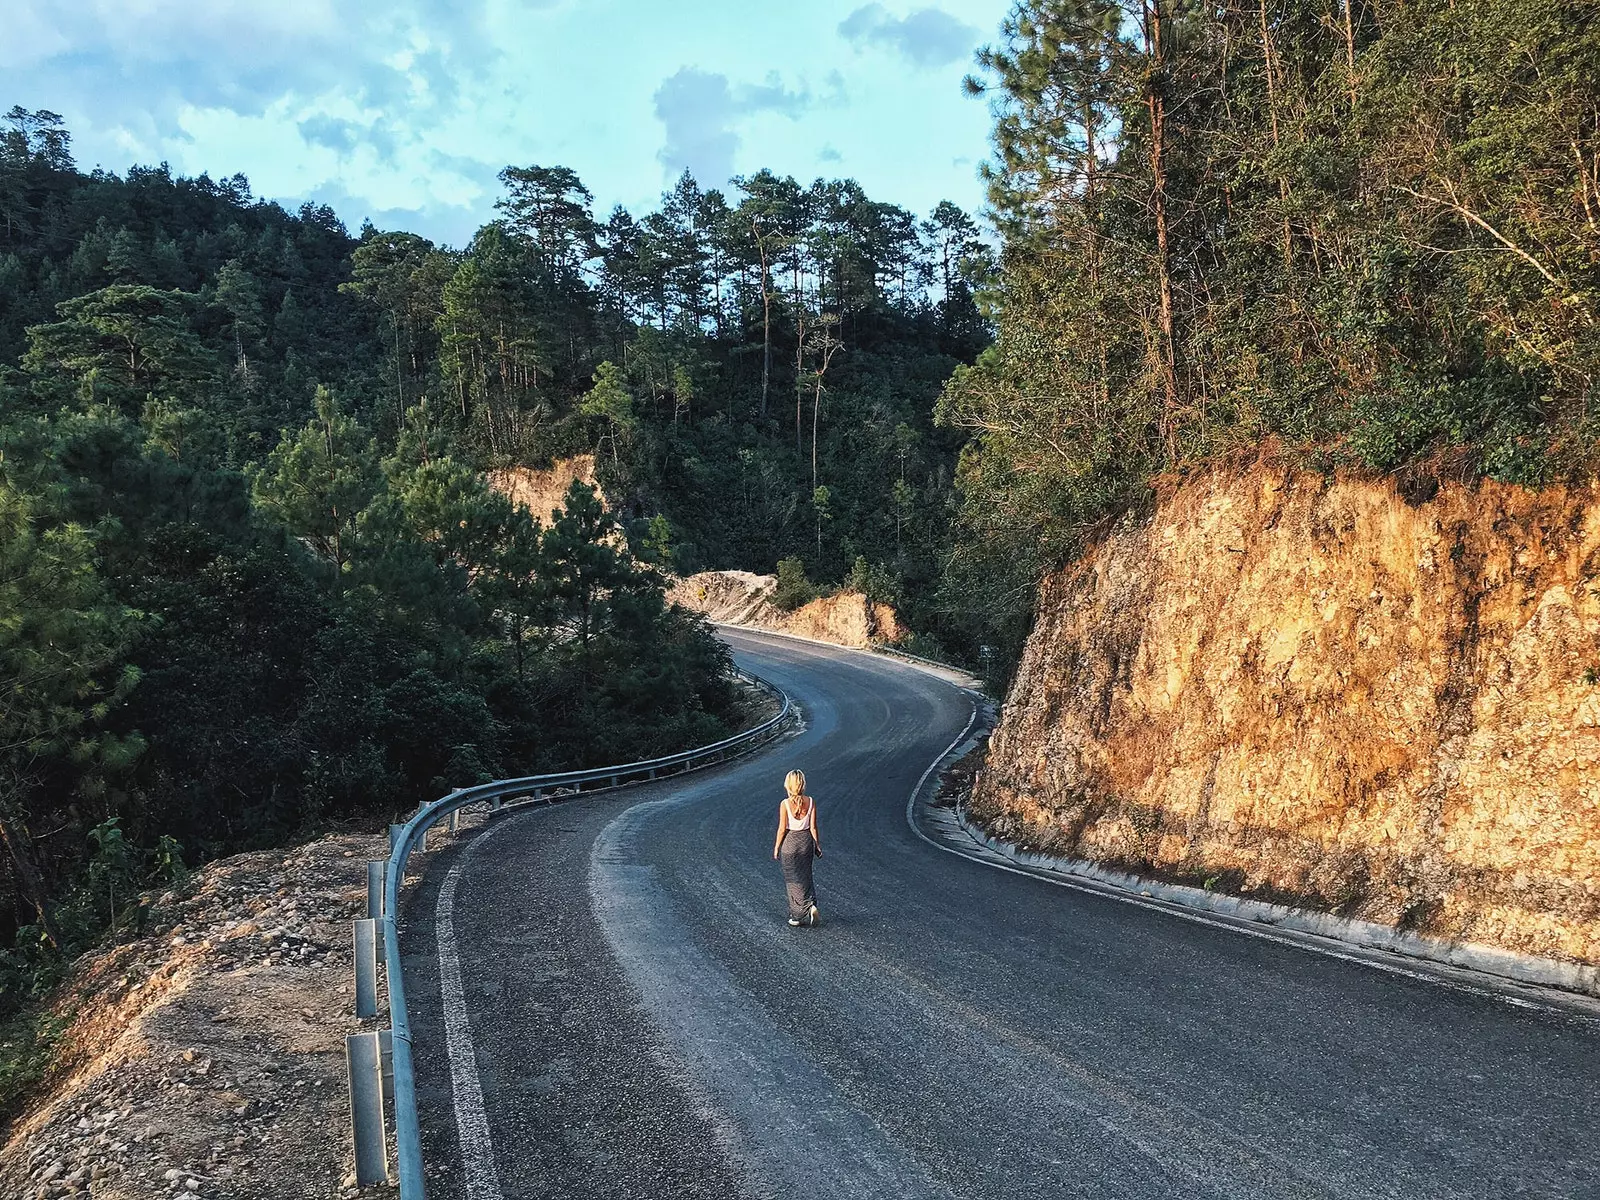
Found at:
<point>543,491</point>
<point>205,1057</point>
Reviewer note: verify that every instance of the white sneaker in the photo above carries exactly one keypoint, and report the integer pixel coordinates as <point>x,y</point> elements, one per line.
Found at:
<point>794,922</point>
<point>813,916</point>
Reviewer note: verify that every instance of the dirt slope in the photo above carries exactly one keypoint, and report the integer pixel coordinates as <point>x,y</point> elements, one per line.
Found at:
<point>543,490</point>
<point>743,598</point>
<point>207,1058</point>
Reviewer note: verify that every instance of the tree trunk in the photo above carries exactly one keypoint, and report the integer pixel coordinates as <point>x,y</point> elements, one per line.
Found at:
<point>799,372</point>
<point>766,319</point>
<point>1268,56</point>
<point>1350,48</point>
<point>816,407</point>
<point>830,346</point>
<point>461,374</point>
<point>1155,100</point>
<point>31,881</point>
<point>1091,211</point>
<point>399,378</point>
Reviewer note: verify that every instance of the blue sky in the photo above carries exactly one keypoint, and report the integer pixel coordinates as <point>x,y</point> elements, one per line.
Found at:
<point>403,112</point>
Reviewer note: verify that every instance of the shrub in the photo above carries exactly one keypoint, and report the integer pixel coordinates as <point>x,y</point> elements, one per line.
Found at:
<point>793,589</point>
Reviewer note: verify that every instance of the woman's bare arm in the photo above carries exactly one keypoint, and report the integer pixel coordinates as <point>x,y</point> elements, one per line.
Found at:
<point>778,841</point>
<point>816,830</point>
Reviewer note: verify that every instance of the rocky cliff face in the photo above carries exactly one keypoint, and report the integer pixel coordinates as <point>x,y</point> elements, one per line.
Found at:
<point>1318,691</point>
<point>743,598</point>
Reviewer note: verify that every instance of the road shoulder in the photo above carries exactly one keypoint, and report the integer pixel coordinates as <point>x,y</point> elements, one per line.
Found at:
<point>582,1097</point>
<point>1516,979</point>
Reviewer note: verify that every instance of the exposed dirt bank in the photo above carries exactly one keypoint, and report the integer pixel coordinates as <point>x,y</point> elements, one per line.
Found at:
<point>207,1058</point>
<point>742,598</point>
<point>1316,691</point>
<point>543,490</point>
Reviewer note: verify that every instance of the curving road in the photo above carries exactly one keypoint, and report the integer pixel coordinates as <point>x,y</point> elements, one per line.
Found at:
<point>631,1016</point>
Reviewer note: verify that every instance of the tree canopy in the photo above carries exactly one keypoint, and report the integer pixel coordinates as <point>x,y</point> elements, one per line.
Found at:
<point>1365,230</point>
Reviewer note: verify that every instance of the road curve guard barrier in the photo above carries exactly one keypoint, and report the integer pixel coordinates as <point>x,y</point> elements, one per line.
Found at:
<point>369,1071</point>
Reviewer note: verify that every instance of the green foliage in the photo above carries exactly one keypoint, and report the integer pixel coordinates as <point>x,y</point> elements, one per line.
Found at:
<point>1365,231</point>
<point>873,581</point>
<point>167,866</point>
<point>127,341</point>
<point>610,400</point>
<point>794,590</point>
<point>28,1041</point>
<point>316,483</point>
<point>242,466</point>
<point>62,640</point>
<point>114,866</point>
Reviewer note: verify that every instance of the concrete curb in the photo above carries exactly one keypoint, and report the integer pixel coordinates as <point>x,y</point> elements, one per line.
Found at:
<point>1520,978</point>
<point>949,674</point>
<point>1366,935</point>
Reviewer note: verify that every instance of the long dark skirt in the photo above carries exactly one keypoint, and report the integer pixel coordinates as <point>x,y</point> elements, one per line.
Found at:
<point>796,853</point>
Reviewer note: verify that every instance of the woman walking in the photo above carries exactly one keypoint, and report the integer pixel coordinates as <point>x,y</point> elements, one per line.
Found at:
<point>798,842</point>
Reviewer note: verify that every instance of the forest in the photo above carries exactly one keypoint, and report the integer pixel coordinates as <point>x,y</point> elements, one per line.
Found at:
<point>254,582</point>
<point>1359,233</point>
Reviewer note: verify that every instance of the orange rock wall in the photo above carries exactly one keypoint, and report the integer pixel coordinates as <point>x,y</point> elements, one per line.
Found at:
<point>743,598</point>
<point>1308,689</point>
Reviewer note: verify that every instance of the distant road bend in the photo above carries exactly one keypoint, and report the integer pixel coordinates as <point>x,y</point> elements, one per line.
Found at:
<point>630,1016</point>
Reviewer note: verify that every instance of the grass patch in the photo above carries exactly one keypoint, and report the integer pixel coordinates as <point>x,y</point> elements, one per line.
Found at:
<point>29,1039</point>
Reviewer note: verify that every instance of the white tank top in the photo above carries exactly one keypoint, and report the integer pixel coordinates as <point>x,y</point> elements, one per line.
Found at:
<point>801,822</point>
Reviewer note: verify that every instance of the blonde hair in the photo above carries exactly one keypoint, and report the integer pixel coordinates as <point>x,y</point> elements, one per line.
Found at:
<point>794,783</point>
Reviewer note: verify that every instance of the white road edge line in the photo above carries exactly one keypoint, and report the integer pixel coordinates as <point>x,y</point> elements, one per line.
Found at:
<point>1303,942</point>
<point>927,666</point>
<point>479,1178</point>
<point>916,790</point>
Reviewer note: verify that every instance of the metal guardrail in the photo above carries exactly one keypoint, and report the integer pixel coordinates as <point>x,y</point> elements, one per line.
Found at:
<point>367,1083</point>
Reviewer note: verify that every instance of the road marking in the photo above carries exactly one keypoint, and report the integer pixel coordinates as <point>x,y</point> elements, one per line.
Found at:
<point>1309,942</point>
<point>917,789</point>
<point>480,1179</point>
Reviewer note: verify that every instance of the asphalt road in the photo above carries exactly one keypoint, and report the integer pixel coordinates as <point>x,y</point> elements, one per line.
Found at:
<point>644,1023</point>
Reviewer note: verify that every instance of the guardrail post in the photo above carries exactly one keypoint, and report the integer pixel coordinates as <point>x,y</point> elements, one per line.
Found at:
<point>455,819</point>
<point>494,805</point>
<point>366,950</point>
<point>375,869</point>
<point>364,1068</point>
<point>394,836</point>
<point>386,1059</point>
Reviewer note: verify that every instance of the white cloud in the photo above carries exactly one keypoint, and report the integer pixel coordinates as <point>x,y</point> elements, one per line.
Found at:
<point>927,37</point>
<point>406,111</point>
<point>703,112</point>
